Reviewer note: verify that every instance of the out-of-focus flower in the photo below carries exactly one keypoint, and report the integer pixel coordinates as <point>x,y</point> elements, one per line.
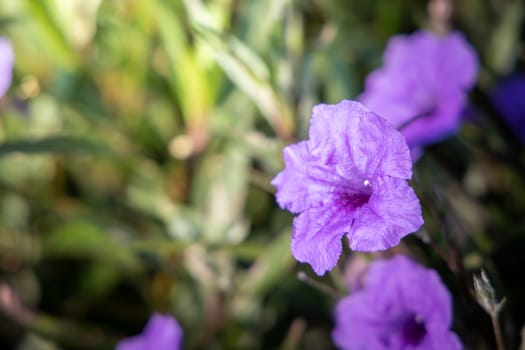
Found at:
<point>509,98</point>
<point>7,59</point>
<point>161,333</point>
<point>421,88</point>
<point>355,271</point>
<point>403,306</point>
<point>348,178</point>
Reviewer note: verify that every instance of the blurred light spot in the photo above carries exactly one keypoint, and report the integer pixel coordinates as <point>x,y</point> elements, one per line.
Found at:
<point>181,147</point>
<point>30,87</point>
<point>440,12</point>
<point>328,33</point>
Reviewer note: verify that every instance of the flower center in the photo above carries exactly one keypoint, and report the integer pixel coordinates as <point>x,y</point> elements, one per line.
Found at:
<point>414,330</point>
<point>354,200</point>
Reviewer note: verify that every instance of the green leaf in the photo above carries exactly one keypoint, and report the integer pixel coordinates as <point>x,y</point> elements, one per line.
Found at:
<point>220,191</point>
<point>271,266</point>
<point>54,144</point>
<point>250,74</point>
<point>43,14</point>
<point>85,240</point>
<point>189,79</point>
<point>504,46</point>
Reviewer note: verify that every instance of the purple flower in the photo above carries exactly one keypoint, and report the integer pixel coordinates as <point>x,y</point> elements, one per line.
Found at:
<point>349,179</point>
<point>355,269</point>
<point>509,98</point>
<point>421,88</point>
<point>161,333</point>
<point>6,65</point>
<point>403,306</point>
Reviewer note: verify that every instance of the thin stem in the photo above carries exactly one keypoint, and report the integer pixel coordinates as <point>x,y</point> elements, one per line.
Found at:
<point>294,335</point>
<point>318,285</point>
<point>497,332</point>
<point>495,324</point>
<point>440,13</point>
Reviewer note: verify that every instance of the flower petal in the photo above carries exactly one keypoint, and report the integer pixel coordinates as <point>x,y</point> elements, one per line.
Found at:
<point>306,181</point>
<point>507,97</point>
<point>369,232</point>
<point>349,131</point>
<point>443,121</point>
<point>359,326</point>
<point>132,343</point>
<point>411,286</point>
<point>162,333</point>
<point>399,294</point>
<point>397,204</point>
<point>317,235</point>
<point>423,83</point>
<point>393,211</point>
<point>444,340</point>
<point>457,60</point>
<point>7,58</point>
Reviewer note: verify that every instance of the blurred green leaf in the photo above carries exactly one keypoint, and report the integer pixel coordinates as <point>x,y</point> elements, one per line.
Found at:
<point>250,74</point>
<point>504,45</point>
<point>220,191</point>
<point>55,144</point>
<point>190,81</point>
<point>98,280</point>
<point>43,13</point>
<point>263,20</point>
<point>272,265</point>
<point>33,341</point>
<point>84,239</point>
<point>146,192</point>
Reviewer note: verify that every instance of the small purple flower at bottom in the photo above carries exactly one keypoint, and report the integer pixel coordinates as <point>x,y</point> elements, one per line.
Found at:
<point>161,333</point>
<point>348,179</point>
<point>402,306</point>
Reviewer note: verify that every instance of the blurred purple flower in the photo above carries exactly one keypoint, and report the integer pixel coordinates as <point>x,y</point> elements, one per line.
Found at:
<point>7,59</point>
<point>421,88</point>
<point>354,271</point>
<point>349,179</point>
<point>509,99</point>
<point>161,333</point>
<point>403,306</point>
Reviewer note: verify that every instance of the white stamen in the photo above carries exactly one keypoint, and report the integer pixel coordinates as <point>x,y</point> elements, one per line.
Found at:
<point>366,183</point>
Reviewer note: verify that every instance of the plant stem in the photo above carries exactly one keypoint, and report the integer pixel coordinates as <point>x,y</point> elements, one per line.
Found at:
<point>494,316</point>
<point>318,285</point>
<point>497,331</point>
